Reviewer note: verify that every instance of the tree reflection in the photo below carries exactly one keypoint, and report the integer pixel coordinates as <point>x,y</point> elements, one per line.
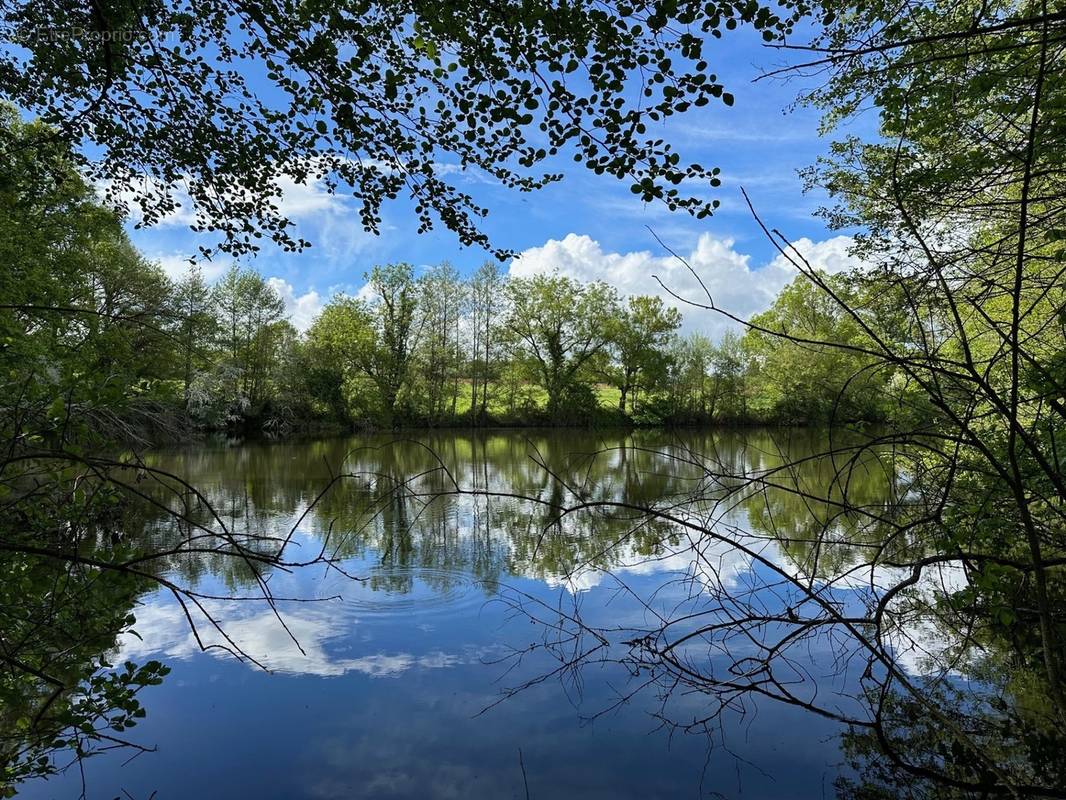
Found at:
<point>810,577</point>
<point>833,592</point>
<point>789,573</point>
<point>60,697</point>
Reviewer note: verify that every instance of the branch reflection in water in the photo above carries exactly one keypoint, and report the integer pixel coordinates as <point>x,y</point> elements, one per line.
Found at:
<point>693,577</point>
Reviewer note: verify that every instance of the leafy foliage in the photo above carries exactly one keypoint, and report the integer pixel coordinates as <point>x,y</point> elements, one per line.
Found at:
<point>380,99</point>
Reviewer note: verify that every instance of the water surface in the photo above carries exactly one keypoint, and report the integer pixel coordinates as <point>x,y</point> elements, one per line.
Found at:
<point>435,670</point>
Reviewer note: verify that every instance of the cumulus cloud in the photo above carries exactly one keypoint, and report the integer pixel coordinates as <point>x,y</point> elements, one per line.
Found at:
<point>301,200</point>
<point>296,201</point>
<point>176,266</point>
<point>300,309</point>
<point>734,283</point>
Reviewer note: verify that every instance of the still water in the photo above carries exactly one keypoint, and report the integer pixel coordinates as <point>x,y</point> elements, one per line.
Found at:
<point>438,660</point>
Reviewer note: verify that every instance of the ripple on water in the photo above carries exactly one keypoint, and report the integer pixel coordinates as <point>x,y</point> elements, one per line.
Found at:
<point>393,591</point>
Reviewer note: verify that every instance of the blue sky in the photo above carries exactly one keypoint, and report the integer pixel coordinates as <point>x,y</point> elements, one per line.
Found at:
<point>588,226</point>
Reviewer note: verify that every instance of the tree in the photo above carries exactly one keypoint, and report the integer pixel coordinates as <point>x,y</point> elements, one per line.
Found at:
<point>85,348</point>
<point>961,208</point>
<point>250,310</point>
<point>729,367</point>
<point>388,362</point>
<point>560,325</point>
<point>376,98</point>
<point>963,198</point>
<point>375,339</point>
<point>802,369</point>
<point>343,335</point>
<point>125,290</point>
<point>487,299</point>
<point>443,302</point>
<point>638,339</point>
<point>82,315</point>
<point>323,378</point>
<point>687,380</point>
<point>196,325</point>
<point>266,328</point>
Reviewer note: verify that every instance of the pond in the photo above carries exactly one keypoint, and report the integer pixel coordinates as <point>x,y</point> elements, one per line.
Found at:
<point>479,644</point>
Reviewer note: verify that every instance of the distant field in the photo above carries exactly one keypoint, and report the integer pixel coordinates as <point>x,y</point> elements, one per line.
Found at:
<point>527,395</point>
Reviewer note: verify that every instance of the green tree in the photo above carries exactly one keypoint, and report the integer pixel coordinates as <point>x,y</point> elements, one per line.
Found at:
<point>443,299</point>
<point>397,331</point>
<point>639,335</point>
<point>487,299</point>
<point>960,205</point>
<point>729,367</point>
<point>560,325</point>
<point>82,315</point>
<point>689,394</point>
<point>196,328</point>
<point>250,312</point>
<point>344,338</point>
<point>802,366</point>
<point>376,339</point>
<point>84,347</point>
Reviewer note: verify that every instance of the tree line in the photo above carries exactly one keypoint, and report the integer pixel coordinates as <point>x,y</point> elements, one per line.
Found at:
<point>431,349</point>
<point>443,349</point>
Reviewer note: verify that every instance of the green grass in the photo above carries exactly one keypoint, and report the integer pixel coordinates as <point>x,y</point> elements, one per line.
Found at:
<point>525,396</point>
<point>607,395</point>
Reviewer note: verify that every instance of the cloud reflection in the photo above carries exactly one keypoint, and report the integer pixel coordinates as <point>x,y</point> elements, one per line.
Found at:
<point>314,648</point>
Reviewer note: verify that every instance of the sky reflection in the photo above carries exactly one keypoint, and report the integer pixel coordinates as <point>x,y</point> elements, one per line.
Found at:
<point>390,686</point>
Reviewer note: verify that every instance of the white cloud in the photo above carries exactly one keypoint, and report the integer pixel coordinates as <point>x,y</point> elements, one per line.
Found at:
<point>733,283</point>
<point>301,309</point>
<point>125,195</point>
<point>830,255</point>
<point>303,200</point>
<point>296,201</point>
<point>176,266</point>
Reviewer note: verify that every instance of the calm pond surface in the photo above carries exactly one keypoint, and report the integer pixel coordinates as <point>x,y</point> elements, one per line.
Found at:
<point>438,670</point>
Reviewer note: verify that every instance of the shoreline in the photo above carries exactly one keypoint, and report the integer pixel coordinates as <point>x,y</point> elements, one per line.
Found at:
<point>209,437</point>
